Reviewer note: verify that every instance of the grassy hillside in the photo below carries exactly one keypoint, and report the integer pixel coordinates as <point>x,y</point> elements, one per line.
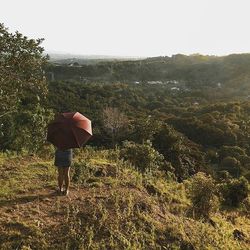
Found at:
<point>178,178</point>
<point>111,206</point>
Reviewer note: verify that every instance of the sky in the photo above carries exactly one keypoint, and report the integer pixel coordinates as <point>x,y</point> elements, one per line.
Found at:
<point>132,27</point>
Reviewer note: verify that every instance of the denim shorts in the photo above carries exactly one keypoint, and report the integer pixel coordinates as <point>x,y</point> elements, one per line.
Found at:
<point>63,158</point>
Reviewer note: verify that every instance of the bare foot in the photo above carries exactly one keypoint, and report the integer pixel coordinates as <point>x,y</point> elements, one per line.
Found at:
<point>59,191</point>
<point>66,192</point>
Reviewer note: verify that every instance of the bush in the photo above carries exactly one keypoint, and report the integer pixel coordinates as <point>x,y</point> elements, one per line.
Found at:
<point>185,156</point>
<point>167,141</point>
<point>232,165</point>
<point>142,156</point>
<point>212,155</point>
<point>202,191</point>
<point>46,151</point>
<point>144,129</point>
<point>80,172</point>
<point>233,151</point>
<point>235,191</point>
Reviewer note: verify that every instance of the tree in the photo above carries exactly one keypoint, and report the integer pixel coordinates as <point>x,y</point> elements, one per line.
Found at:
<point>23,87</point>
<point>184,155</point>
<point>115,123</point>
<point>142,156</point>
<point>21,70</point>
<point>145,128</point>
<point>203,194</point>
<point>232,165</point>
<point>234,191</point>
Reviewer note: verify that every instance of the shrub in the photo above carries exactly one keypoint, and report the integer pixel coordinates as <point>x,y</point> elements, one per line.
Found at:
<point>233,151</point>
<point>247,175</point>
<point>80,172</point>
<point>223,175</point>
<point>212,155</point>
<point>185,156</point>
<point>235,191</point>
<point>145,128</point>
<point>142,156</point>
<point>46,151</point>
<point>167,141</point>
<point>232,165</point>
<point>202,191</point>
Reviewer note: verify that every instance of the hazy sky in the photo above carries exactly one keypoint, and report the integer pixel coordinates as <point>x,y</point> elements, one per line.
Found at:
<point>133,27</point>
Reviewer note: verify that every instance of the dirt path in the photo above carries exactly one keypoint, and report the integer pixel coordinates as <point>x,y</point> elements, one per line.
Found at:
<point>46,206</point>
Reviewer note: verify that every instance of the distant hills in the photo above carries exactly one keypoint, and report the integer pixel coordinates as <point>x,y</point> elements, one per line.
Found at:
<point>67,58</point>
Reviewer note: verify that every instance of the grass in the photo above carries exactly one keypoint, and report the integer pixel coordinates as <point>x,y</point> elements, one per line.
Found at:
<point>23,174</point>
<point>111,206</point>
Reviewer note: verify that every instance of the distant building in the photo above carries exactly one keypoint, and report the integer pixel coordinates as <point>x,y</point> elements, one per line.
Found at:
<point>172,82</point>
<point>74,64</point>
<point>155,82</point>
<point>175,88</point>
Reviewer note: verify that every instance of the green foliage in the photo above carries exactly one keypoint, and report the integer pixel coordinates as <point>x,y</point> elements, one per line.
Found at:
<point>232,165</point>
<point>197,128</point>
<point>19,235</point>
<point>202,191</point>
<point>235,191</point>
<point>140,211</point>
<point>143,156</point>
<point>81,172</point>
<point>212,155</point>
<point>31,132</point>
<point>183,156</point>
<point>21,71</point>
<point>207,134</point>
<point>23,91</point>
<point>195,71</point>
<point>168,142</point>
<point>22,174</point>
<point>233,151</point>
<point>46,151</point>
<point>145,128</point>
<point>199,122</point>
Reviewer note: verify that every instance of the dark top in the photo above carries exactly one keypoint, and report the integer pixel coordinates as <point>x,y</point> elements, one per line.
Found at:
<point>63,158</point>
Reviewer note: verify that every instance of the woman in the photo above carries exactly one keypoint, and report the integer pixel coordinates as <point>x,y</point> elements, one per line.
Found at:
<point>63,160</point>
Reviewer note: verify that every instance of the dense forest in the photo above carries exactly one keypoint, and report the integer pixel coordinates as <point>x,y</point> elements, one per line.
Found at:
<point>179,119</point>
<point>194,71</point>
<point>202,100</point>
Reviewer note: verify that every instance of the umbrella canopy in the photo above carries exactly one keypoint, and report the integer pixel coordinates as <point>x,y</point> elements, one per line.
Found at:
<point>69,130</point>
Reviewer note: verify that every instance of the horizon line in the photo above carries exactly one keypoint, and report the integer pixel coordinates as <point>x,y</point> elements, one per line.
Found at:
<point>137,56</point>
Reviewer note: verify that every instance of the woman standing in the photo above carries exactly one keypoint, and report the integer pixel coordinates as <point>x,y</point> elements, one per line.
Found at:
<point>63,160</point>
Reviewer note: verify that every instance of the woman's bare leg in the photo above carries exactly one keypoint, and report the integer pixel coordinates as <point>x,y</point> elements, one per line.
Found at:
<point>60,178</point>
<point>66,177</point>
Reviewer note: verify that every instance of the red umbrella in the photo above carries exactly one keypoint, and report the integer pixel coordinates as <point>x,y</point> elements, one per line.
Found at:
<point>69,130</point>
